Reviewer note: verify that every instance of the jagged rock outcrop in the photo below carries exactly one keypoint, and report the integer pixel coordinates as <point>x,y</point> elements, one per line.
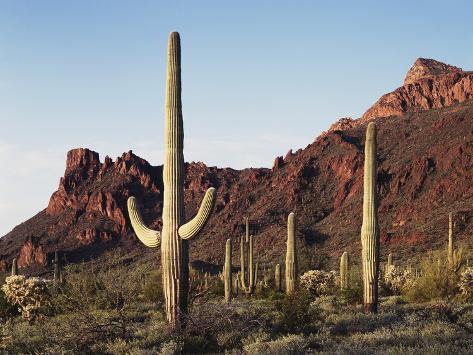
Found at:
<point>31,253</point>
<point>429,84</point>
<point>425,170</point>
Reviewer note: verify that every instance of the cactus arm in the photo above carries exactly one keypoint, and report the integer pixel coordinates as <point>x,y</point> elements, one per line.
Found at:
<point>195,225</point>
<point>148,237</point>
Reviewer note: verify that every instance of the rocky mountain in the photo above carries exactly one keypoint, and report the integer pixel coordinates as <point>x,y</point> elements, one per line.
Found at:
<point>425,138</point>
<point>429,84</point>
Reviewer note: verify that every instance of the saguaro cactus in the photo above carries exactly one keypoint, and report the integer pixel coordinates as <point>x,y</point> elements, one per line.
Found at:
<point>227,274</point>
<point>247,283</point>
<point>14,267</point>
<point>450,239</point>
<point>291,255</point>
<point>236,283</point>
<point>277,277</point>
<point>370,227</point>
<point>57,268</point>
<point>175,233</point>
<point>344,271</point>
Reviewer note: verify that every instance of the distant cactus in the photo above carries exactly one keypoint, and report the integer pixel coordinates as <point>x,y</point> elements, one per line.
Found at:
<point>344,271</point>
<point>236,285</point>
<point>277,278</point>
<point>450,238</point>
<point>175,232</point>
<point>291,255</point>
<point>454,256</point>
<point>370,227</point>
<point>14,267</point>
<point>57,268</point>
<point>248,274</point>
<point>227,275</point>
<point>390,262</point>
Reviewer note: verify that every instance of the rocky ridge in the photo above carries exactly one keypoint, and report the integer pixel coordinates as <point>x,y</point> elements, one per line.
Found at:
<point>425,171</point>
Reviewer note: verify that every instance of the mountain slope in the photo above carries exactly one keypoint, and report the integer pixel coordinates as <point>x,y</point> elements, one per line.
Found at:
<point>425,171</point>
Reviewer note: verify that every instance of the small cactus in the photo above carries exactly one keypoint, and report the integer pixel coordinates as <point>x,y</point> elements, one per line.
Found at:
<point>236,285</point>
<point>14,267</point>
<point>277,278</point>
<point>370,226</point>
<point>390,262</point>
<point>450,238</point>
<point>291,255</point>
<point>57,268</point>
<point>344,271</point>
<point>227,275</point>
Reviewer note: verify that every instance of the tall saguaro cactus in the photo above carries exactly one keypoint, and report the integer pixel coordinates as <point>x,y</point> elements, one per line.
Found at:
<point>291,255</point>
<point>370,227</point>
<point>227,271</point>
<point>344,271</point>
<point>175,232</point>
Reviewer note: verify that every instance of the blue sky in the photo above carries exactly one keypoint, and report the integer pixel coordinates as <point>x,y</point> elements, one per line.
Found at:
<point>259,77</point>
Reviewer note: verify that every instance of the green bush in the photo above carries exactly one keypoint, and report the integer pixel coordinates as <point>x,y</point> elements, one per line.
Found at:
<point>438,280</point>
<point>353,294</point>
<point>295,313</point>
<point>153,288</point>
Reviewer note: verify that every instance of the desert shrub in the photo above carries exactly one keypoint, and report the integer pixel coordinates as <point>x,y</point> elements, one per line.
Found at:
<point>29,294</point>
<point>397,279</point>
<point>215,326</point>
<point>287,344</point>
<point>295,313</point>
<point>353,294</point>
<point>7,308</point>
<point>171,347</point>
<point>153,288</point>
<point>438,279</point>
<point>466,283</point>
<point>319,282</point>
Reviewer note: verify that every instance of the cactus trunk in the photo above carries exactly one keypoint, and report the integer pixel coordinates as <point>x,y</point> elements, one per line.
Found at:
<point>227,276</point>
<point>291,255</point>
<point>344,271</point>
<point>370,227</point>
<point>450,239</point>
<point>277,277</point>
<point>57,268</point>
<point>248,274</point>
<point>174,235</point>
<point>14,267</point>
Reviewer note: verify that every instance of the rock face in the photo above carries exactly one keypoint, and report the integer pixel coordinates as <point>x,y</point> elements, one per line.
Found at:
<point>429,84</point>
<point>429,69</point>
<point>31,253</point>
<point>425,171</point>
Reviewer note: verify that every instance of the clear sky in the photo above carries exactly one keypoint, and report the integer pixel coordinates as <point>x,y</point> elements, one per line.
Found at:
<point>259,77</point>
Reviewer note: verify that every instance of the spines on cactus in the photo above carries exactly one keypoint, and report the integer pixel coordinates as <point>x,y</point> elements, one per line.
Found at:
<point>175,232</point>
<point>228,271</point>
<point>370,227</point>
<point>14,267</point>
<point>291,255</point>
<point>344,271</point>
